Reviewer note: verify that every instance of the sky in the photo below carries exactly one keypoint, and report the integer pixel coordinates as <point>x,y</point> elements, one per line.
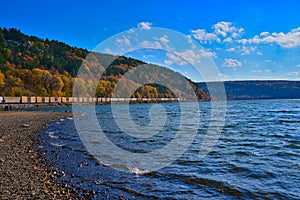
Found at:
<point>247,40</point>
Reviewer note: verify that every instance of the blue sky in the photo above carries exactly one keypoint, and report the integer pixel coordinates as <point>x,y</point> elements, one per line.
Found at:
<point>246,39</point>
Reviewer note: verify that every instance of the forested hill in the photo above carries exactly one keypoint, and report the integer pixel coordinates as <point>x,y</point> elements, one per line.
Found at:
<point>271,89</point>
<point>32,66</point>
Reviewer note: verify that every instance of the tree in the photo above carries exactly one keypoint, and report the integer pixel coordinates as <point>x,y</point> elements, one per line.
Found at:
<point>2,40</point>
<point>2,79</point>
<point>55,85</point>
<point>105,88</point>
<point>2,82</point>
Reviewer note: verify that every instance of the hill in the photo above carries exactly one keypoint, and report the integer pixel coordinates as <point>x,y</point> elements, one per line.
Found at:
<point>32,66</point>
<point>271,89</point>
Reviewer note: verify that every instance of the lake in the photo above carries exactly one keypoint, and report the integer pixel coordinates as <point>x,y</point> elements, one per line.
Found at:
<point>257,154</point>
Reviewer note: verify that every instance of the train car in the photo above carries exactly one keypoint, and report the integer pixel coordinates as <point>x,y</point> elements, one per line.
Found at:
<point>75,99</point>
<point>103,100</point>
<point>84,99</point>
<point>52,100</point>
<point>89,100</point>
<point>127,99</point>
<point>45,99</point>
<point>113,99</point>
<point>66,99</point>
<point>42,99</point>
<point>79,100</point>
<point>55,99</point>
<point>70,99</point>
<point>12,99</point>
<point>25,99</point>
<point>39,99</point>
<point>32,99</point>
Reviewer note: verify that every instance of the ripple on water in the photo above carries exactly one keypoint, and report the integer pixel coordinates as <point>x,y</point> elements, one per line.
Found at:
<point>256,156</point>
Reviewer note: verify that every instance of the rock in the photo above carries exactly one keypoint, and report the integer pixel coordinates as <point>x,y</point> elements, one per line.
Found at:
<point>25,125</point>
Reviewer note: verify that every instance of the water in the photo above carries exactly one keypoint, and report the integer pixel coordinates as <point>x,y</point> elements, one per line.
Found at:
<point>256,156</point>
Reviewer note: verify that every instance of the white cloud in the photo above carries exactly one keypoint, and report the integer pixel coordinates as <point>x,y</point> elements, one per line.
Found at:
<point>264,33</point>
<point>175,59</point>
<point>131,30</point>
<point>164,39</point>
<point>108,50</point>
<point>298,65</point>
<point>228,33</point>
<point>221,29</point>
<point>190,56</point>
<point>229,40</point>
<point>145,25</point>
<point>224,77</point>
<point>268,61</point>
<point>293,73</point>
<point>148,56</point>
<point>285,40</point>
<point>247,50</point>
<point>187,57</point>
<point>256,71</point>
<point>241,30</point>
<point>204,37</point>
<point>151,45</point>
<point>123,41</point>
<point>230,49</point>
<point>206,53</point>
<point>259,53</point>
<point>243,41</point>
<point>191,42</point>
<point>267,70</point>
<point>168,62</point>
<point>226,28</point>
<point>232,63</point>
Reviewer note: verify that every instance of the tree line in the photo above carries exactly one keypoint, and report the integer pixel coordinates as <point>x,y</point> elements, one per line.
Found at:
<point>30,66</point>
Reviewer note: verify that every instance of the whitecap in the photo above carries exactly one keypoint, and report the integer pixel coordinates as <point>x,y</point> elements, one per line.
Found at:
<point>138,171</point>
<point>51,134</point>
<point>56,144</point>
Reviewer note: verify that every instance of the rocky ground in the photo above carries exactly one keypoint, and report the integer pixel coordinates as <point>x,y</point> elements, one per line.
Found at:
<point>23,173</point>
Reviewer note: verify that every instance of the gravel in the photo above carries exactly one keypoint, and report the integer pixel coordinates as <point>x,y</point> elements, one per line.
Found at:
<point>23,173</point>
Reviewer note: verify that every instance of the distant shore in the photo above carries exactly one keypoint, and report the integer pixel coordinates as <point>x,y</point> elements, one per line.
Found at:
<point>23,173</point>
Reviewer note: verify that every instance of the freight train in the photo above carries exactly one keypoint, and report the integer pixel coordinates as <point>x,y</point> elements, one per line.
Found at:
<point>69,100</point>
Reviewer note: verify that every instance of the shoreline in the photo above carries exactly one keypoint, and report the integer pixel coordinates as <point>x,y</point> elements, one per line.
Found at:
<point>24,174</point>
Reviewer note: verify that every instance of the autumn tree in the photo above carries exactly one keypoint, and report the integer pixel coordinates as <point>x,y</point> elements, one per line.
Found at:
<point>105,88</point>
<point>2,82</point>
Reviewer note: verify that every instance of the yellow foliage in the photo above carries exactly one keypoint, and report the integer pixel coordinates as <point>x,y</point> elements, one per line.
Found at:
<point>2,79</point>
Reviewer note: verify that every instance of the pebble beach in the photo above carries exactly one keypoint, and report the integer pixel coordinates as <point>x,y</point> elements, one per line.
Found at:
<point>24,174</point>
